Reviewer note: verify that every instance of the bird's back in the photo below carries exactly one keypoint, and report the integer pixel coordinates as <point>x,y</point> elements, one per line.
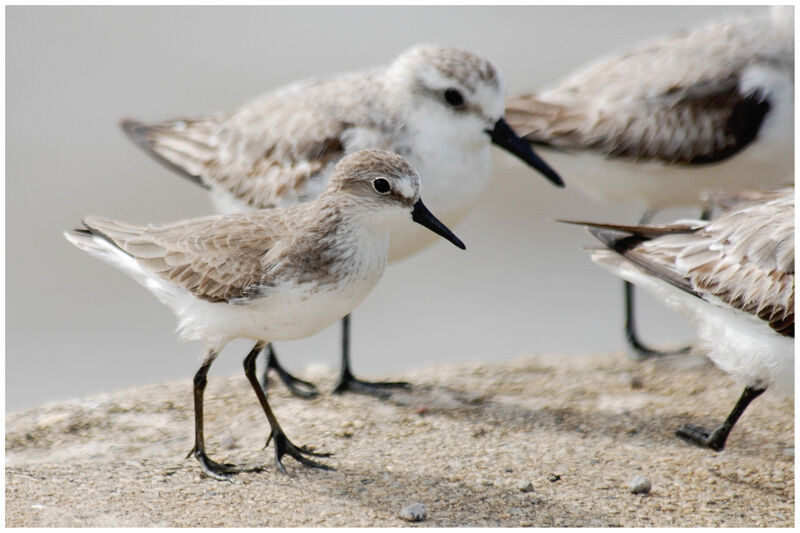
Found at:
<point>652,125</point>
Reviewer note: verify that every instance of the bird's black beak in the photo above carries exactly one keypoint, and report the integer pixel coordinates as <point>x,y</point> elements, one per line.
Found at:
<point>421,215</point>
<point>503,136</point>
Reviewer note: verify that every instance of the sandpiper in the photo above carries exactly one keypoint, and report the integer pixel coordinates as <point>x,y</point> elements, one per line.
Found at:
<point>274,274</point>
<point>709,109</point>
<point>733,278</point>
<point>438,107</point>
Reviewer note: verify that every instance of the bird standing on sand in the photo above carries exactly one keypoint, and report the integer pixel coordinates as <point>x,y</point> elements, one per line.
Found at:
<point>707,110</point>
<point>733,278</point>
<point>269,275</point>
<point>437,107</point>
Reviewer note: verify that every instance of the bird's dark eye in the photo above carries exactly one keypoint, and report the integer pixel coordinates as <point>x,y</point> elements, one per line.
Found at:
<point>454,97</point>
<point>381,185</point>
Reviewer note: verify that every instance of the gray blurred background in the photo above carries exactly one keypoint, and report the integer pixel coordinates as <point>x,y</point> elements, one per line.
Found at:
<point>76,326</point>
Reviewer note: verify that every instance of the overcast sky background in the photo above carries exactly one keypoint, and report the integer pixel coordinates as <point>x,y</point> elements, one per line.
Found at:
<point>76,326</point>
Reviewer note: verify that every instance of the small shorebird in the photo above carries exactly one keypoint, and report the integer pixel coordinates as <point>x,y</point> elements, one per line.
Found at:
<point>733,278</point>
<point>437,107</point>
<point>710,109</point>
<point>269,275</point>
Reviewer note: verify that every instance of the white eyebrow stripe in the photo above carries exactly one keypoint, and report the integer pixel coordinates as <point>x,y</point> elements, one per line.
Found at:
<point>404,189</point>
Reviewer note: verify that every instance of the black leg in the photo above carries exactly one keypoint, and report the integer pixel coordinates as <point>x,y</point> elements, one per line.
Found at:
<point>348,382</point>
<point>216,470</point>
<point>640,350</point>
<point>283,445</point>
<point>716,439</point>
<point>296,386</point>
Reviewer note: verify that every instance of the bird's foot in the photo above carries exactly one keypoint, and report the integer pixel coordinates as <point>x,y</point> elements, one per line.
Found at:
<point>714,440</point>
<point>220,471</point>
<point>297,386</point>
<point>347,382</point>
<point>283,446</point>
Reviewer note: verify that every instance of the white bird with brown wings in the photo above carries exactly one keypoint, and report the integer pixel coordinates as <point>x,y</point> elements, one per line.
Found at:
<point>438,107</point>
<point>269,275</point>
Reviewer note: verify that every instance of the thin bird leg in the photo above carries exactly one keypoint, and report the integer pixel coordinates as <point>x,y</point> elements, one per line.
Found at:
<point>716,439</point>
<point>213,469</point>
<point>296,386</point>
<point>282,444</point>
<point>348,382</point>
<point>640,350</point>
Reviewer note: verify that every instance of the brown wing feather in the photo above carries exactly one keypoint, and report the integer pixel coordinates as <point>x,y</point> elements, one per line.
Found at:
<point>214,258</point>
<point>677,100</point>
<point>265,152</point>
<point>744,259</point>
<point>704,123</point>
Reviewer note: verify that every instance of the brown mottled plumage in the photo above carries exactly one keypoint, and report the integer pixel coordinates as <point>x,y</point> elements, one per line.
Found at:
<point>744,259</point>
<point>225,258</point>
<point>679,100</point>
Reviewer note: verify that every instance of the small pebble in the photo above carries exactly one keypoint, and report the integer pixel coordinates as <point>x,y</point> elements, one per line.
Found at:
<point>640,485</point>
<point>553,478</point>
<point>416,512</point>
<point>525,486</point>
<point>346,429</point>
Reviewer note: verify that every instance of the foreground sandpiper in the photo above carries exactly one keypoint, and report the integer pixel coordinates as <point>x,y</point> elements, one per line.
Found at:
<point>269,275</point>
<point>706,110</point>
<point>733,278</point>
<point>438,107</point>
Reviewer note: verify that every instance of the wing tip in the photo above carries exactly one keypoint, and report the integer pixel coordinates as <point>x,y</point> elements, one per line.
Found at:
<point>141,135</point>
<point>135,130</point>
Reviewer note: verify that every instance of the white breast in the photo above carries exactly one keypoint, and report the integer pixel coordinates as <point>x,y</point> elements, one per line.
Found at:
<point>452,182</point>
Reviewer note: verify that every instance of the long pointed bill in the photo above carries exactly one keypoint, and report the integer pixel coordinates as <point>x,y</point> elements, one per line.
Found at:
<point>421,215</point>
<point>503,136</point>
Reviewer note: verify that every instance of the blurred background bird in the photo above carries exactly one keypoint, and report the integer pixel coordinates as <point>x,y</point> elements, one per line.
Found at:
<point>711,109</point>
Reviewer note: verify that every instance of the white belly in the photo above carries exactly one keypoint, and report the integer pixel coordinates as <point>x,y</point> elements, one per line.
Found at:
<point>290,312</point>
<point>747,348</point>
<point>451,187</point>
<point>657,186</point>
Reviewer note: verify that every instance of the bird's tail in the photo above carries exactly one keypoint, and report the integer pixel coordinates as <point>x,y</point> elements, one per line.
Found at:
<point>183,146</point>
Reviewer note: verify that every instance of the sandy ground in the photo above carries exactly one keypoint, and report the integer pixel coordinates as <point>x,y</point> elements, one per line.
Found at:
<point>462,441</point>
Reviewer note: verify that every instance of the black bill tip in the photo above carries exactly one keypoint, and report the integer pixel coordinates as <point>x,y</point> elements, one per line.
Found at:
<point>422,216</point>
<point>503,136</point>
